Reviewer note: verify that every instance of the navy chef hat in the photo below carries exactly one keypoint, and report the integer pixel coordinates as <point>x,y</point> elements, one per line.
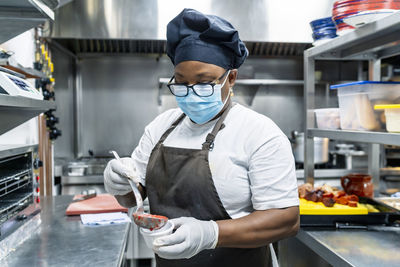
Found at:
<point>193,35</point>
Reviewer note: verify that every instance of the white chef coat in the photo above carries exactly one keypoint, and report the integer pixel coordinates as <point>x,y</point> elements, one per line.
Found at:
<point>252,164</point>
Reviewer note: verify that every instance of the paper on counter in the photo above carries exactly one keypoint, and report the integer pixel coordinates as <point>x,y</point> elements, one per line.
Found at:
<point>105,218</point>
<point>397,194</point>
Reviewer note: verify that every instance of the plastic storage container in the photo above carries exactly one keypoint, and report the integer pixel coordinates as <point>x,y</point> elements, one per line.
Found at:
<point>392,114</point>
<point>367,16</point>
<point>357,100</point>
<point>150,235</point>
<point>328,118</point>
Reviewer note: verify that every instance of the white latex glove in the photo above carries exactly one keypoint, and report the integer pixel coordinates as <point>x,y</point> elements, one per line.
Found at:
<point>190,237</point>
<point>116,176</point>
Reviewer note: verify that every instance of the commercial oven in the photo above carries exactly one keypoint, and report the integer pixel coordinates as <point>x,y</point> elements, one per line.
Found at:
<point>19,188</point>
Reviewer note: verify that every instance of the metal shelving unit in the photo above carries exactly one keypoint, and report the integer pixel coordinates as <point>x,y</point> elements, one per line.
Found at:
<point>15,110</point>
<point>18,16</point>
<point>371,42</point>
<point>26,73</point>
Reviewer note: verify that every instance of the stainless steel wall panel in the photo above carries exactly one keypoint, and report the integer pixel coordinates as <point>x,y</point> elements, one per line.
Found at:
<point>64,91</point>
<point>120,97</point>
<point>121,19</point>
<point>257,20</point>
<point>78,108</point>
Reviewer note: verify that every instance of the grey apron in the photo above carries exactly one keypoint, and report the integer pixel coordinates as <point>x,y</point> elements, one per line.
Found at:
<point>179,183</point>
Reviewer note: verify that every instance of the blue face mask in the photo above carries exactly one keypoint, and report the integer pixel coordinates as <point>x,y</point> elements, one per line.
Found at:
<point>202,109</point>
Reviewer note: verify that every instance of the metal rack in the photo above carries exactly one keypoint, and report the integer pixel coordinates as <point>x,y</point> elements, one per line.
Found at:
<point>13,205</point>
<point>17,184</point>
<point>371,42</point>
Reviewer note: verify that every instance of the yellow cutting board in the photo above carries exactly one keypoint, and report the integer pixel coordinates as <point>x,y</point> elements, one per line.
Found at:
<point>317,208</point>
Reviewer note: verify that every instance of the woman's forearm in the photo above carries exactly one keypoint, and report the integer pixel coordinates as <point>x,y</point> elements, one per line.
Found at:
<point>129,200</point>
<point>259,228</point>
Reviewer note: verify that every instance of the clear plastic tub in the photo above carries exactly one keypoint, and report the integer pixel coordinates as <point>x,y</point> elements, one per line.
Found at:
<point>392,114</point>
<point>327,118</point>
<point>357,100</point>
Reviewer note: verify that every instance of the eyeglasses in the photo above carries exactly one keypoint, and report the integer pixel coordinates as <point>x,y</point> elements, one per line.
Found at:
<point>200,89</point>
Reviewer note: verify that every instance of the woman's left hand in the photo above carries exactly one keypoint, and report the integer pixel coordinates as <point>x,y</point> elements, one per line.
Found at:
<point>191,237</point>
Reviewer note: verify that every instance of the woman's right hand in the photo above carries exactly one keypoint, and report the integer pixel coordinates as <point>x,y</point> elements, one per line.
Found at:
<point>116,176</point>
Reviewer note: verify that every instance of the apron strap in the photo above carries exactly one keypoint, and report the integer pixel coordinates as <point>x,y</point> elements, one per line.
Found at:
<point>209,143</point>
<point>171,128</point>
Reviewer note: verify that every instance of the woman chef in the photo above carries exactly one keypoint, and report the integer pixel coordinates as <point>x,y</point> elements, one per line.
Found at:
<point>222,172</point>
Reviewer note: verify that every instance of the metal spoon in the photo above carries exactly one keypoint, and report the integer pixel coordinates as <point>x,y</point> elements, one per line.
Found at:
<point>141,218</point>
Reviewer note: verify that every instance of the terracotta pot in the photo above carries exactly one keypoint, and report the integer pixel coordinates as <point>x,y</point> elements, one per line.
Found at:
<point>358,184</point>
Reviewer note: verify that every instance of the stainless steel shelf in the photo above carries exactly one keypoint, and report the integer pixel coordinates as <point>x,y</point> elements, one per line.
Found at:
<point>18,16</point>
<point>246,82</point>
<point>335,173</point>
<point>259,82</point>
<point>15,110</point>
<point>329,173</point>
<point>371,41</point>
<point>7,101</point>
<point>20,71</point>
<point>272,82</point>
<point>357,136</point>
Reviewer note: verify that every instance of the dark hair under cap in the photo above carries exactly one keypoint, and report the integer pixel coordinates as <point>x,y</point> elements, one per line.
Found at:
<point>207,38</point>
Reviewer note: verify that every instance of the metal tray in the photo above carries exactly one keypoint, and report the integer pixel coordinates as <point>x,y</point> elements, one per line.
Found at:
<point>394,200</point>
<point>386,216</point>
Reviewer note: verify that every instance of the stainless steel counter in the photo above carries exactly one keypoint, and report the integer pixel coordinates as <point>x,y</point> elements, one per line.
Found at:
<point>64,241</point>
<point>379,246</point>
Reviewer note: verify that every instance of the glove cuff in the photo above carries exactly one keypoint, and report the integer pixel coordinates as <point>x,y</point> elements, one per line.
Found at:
<point>216,234</point>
